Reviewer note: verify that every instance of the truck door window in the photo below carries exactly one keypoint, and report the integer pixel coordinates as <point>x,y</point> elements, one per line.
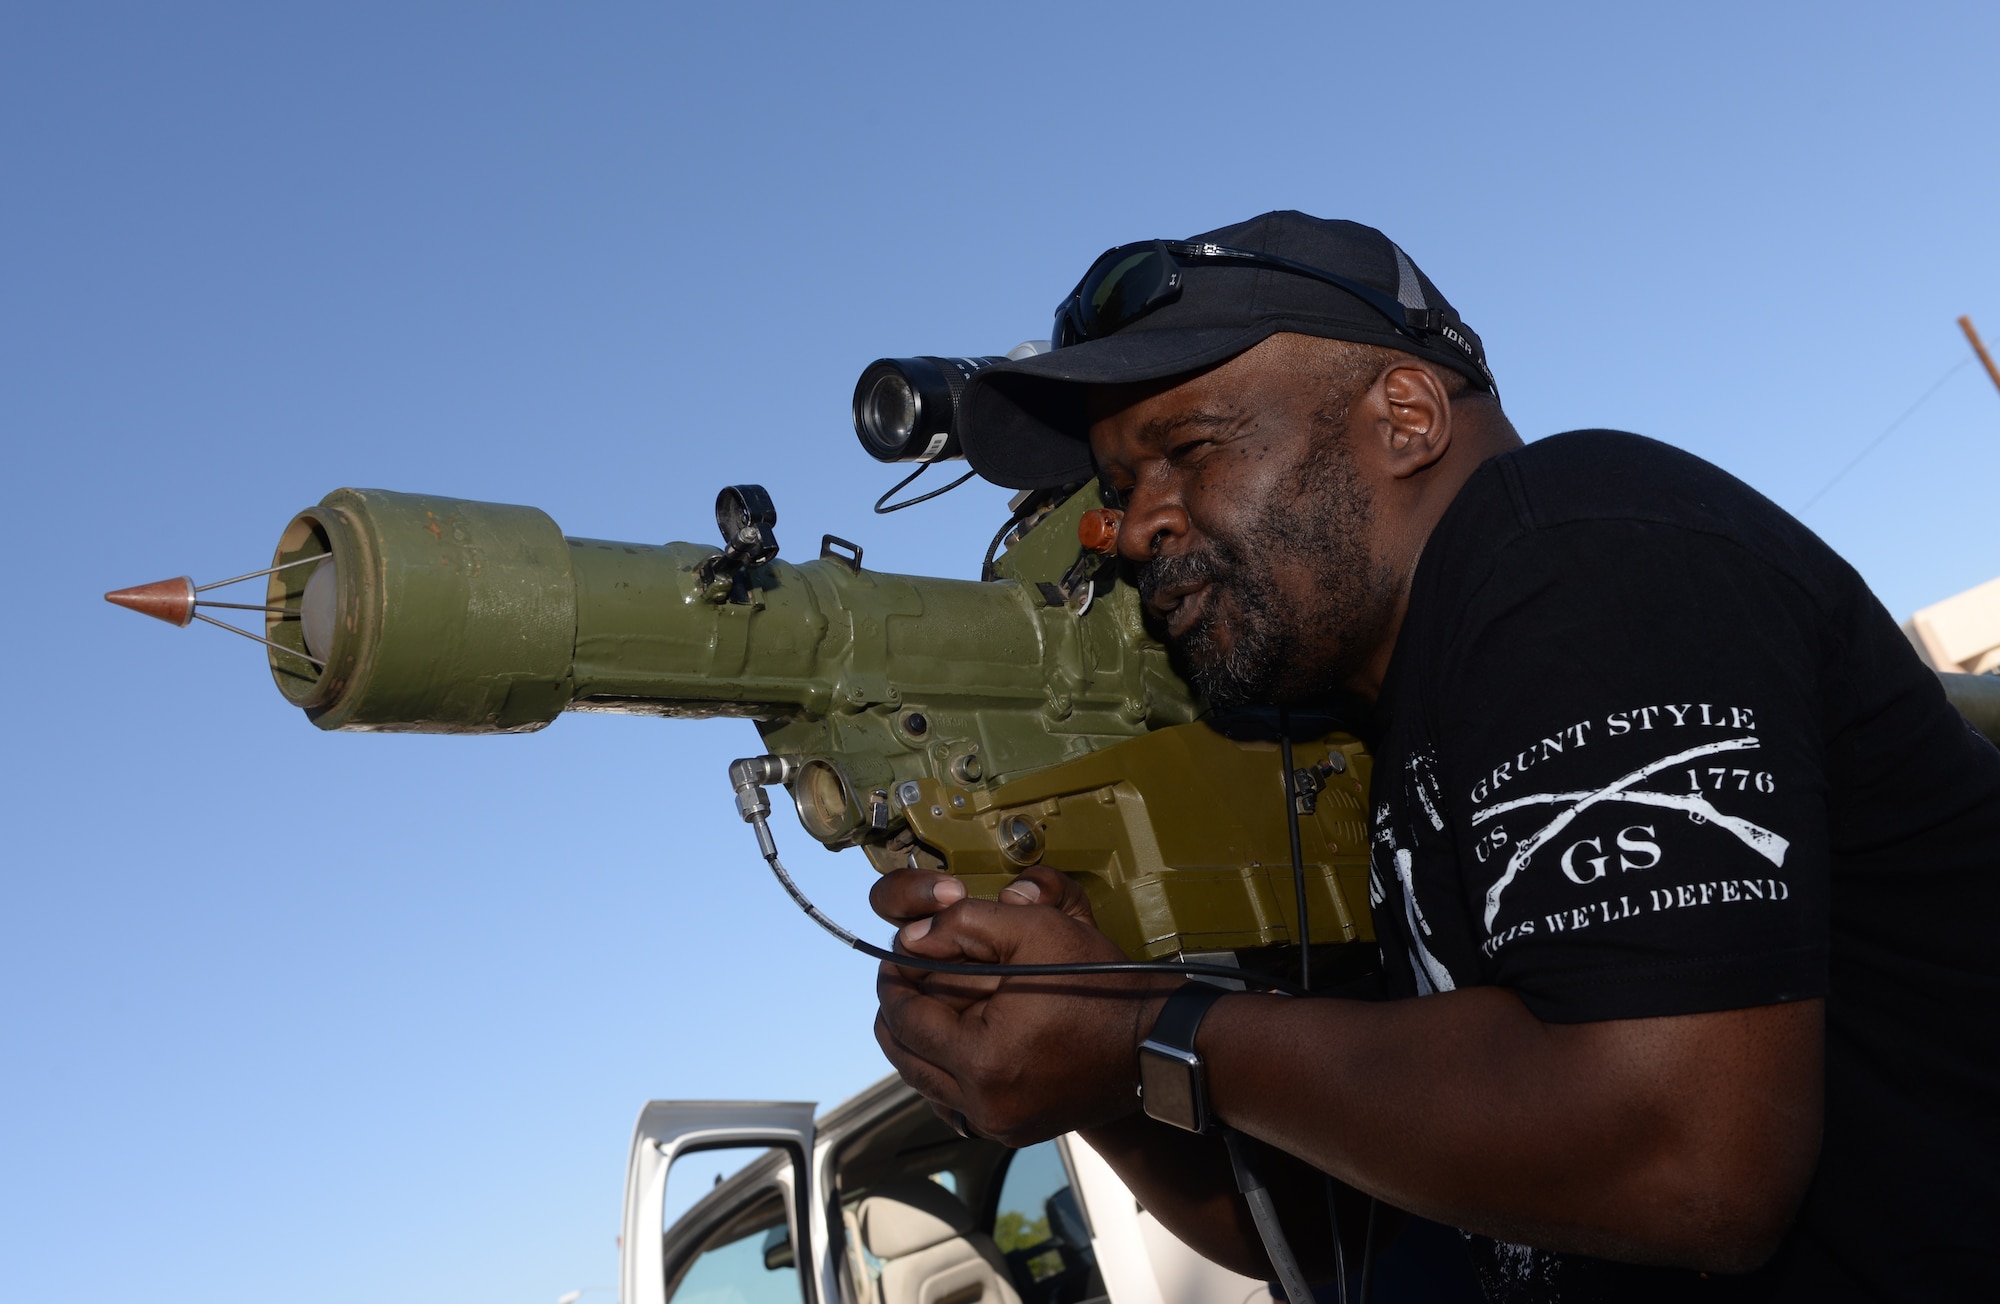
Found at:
<point>698,1172</point>
<point>1039,1227</point>
<point>748,1259</point>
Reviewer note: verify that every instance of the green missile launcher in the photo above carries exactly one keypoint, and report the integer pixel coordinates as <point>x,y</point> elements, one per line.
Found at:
<point>975,727</point>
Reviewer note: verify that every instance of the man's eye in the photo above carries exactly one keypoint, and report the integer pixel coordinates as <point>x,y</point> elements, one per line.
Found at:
<point>1185,449</point>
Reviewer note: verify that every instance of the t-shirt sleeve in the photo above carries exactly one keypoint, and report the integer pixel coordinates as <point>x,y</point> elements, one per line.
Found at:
<point>1631,760</point>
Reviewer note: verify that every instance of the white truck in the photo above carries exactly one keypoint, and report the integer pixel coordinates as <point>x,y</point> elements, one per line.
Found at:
<point>878,1202</point>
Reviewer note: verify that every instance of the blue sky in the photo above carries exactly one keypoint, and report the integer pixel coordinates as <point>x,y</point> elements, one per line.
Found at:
<point>330,1017</point>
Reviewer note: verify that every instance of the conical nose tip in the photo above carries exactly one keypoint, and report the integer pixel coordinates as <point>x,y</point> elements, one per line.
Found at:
<point>168,600</point>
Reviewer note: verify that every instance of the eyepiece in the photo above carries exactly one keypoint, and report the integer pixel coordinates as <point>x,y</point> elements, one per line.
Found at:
<point>906,409</point>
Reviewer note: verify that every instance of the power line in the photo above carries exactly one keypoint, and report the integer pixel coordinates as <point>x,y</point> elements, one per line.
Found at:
<point>1876,442</point>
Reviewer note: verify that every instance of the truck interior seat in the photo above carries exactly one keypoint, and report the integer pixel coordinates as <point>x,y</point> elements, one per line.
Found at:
<point>930,1253</point>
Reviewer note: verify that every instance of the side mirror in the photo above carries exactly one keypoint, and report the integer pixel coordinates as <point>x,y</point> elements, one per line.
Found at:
<point>778,1249</point>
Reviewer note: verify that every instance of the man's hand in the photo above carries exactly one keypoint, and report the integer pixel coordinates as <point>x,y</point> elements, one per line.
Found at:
<point>1022,1059</point>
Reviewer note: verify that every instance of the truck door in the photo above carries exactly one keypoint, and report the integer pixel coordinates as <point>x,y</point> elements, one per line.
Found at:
<point>757,1227</point>
<point>1141,1261</point>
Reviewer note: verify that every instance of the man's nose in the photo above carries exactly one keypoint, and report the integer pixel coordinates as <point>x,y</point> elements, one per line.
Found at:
<point>1151,521</point>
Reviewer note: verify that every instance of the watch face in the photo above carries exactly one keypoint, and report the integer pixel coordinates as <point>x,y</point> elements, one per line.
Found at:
<point>1170,1081</point>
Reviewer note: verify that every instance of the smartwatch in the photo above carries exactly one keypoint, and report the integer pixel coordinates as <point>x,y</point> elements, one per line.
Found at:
<point>1173,1084</point>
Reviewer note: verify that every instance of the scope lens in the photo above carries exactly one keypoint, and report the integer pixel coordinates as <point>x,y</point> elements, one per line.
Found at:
<point>906,409</point>
<point>889,416</point>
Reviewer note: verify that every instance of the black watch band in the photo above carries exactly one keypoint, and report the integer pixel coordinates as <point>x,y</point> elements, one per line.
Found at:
<point>1173,1082</point>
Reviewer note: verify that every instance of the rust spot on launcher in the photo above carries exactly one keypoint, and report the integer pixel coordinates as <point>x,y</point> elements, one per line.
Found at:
<point>437,531</point>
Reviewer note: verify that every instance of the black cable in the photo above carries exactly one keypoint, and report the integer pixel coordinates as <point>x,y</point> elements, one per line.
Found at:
<point>1298,855</point>
<point>1305,980</point>
<point>1368,1250</point>
<point>1264,1213</point>
<point>895,488</point>
<point>1339,1248</point>
<point>1021,513</point>
<point>1184,968</point>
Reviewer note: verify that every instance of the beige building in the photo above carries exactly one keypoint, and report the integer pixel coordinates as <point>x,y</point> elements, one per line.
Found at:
<point>1961,633</point>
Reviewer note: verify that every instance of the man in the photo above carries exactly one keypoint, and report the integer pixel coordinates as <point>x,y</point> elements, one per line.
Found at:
<point>1684,868</point>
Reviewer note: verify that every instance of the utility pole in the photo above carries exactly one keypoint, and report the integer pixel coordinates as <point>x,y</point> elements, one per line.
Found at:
<point>1979,347</point>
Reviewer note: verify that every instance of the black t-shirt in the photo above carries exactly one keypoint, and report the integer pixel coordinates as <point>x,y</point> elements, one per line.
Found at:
<point>1648,747</point>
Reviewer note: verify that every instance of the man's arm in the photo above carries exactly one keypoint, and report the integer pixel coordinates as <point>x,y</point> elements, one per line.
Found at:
<point>1683,1140</point>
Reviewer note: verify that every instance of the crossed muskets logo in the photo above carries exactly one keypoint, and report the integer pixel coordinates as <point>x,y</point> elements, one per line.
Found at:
<point>1760,840</point>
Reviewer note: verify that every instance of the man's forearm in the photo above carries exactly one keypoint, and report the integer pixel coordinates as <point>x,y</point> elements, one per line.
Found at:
<point>1683,1140</point>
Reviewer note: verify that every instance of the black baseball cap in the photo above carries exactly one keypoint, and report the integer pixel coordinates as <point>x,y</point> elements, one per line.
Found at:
<point>1023,424</point>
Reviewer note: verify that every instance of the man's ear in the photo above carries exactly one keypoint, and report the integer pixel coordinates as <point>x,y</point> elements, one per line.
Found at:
<point>1416,415</point>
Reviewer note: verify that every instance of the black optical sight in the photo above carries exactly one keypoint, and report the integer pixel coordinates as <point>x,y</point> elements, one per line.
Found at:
<point>906,409</point>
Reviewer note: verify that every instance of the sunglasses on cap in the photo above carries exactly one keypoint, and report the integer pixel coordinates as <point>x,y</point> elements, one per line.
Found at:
<point>1127,282</point>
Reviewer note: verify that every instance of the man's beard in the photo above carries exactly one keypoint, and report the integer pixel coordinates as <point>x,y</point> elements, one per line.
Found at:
<point>1284,651</point>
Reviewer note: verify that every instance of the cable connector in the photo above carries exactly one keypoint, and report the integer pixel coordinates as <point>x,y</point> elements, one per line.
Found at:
<point>1310,782</point>
<point>755,771</point>
<point>748,776</point>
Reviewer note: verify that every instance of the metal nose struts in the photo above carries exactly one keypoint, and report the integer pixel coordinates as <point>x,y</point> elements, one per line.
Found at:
<point>175,601</point>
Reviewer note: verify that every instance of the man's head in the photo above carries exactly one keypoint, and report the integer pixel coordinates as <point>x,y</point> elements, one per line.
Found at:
<point>1283,430</point>
<point>1274,506</point>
